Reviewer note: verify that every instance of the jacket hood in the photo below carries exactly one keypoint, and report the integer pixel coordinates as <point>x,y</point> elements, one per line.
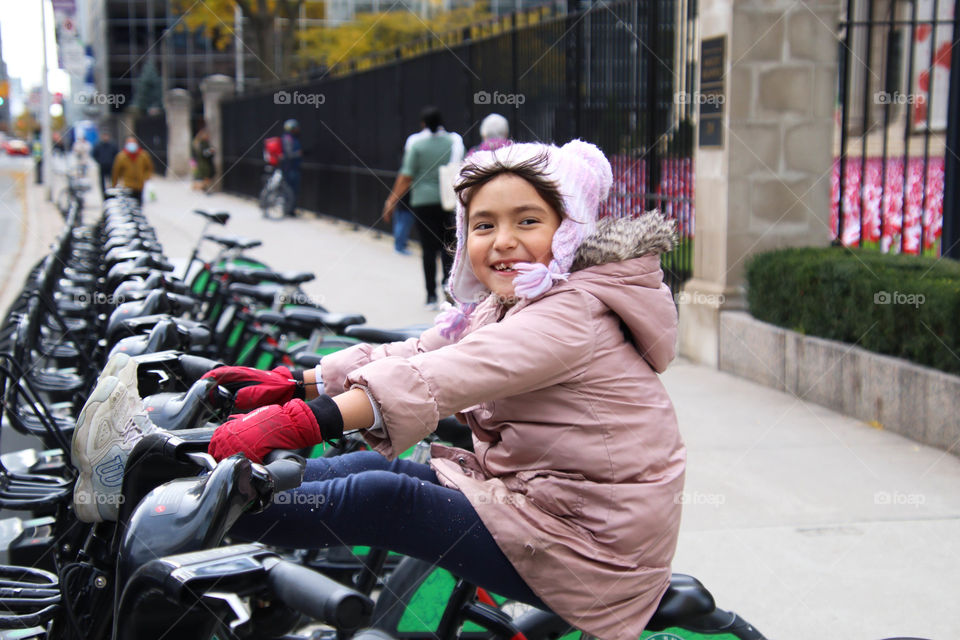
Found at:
<point>619,264</point>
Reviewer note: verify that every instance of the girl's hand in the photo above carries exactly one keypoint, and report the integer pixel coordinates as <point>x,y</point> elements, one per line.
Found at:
<point>291,426</point>
<point>255,388</point>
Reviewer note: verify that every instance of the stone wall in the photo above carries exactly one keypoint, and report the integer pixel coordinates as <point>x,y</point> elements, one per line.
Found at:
<point>890,393</point>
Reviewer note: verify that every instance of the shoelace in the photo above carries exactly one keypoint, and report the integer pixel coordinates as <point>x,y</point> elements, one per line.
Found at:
<point>132,431</point>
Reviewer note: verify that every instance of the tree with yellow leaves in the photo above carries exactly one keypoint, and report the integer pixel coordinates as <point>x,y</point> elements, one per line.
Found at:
<point>269,33</point>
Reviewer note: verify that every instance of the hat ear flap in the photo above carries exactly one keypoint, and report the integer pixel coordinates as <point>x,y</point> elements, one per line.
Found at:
<point>597,162</point>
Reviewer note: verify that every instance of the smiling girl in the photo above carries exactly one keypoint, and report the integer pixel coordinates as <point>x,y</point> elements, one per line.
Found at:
<point>570,497</point>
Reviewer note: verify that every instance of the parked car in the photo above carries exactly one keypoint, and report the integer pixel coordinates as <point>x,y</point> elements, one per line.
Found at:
<point>15,147</point>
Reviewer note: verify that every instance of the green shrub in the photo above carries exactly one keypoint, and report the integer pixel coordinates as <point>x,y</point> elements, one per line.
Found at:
<point>903,306</point>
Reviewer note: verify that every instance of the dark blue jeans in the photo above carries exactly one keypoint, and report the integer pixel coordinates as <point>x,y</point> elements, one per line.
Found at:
<point>402,224</point>
<point>362,499</point>
<point>292,178</point>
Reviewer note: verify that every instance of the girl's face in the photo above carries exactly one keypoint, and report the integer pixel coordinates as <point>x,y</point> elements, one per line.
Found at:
<point>508,222</point>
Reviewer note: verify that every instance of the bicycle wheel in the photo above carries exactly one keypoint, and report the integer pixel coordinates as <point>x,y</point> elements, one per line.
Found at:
<point>272,200</point>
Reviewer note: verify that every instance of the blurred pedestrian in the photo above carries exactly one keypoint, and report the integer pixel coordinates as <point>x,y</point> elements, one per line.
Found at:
<point>290,163</point>
<point>420,174</point>
<point>104,154</point>
<point>132,167</point>
<point>202,152</point>
<point>81,156</point>
<point>494,134</point>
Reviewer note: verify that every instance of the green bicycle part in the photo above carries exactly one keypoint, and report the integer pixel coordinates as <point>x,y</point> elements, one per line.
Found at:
<point>247,350</point>
<point>425,608</point>
<point>264,361</point>
<point>235,335</point>
<point>200,282</point>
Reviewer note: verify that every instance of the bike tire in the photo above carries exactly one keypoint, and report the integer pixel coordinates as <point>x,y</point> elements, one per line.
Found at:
<point>270,203</point>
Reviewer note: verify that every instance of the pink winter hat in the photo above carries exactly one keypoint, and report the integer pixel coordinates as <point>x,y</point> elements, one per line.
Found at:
<point>583,176</point>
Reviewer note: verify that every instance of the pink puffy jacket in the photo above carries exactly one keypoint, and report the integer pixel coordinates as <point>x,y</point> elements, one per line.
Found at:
<point>579,464</point>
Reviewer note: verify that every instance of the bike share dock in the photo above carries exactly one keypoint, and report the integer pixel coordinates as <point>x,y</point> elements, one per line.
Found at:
<point>805,522</point>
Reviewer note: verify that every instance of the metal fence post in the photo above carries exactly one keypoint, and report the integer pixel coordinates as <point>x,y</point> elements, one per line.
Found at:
<point>950,238</point>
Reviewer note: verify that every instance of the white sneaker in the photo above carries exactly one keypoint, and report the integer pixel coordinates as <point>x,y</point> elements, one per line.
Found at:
<point>111,423</point>
<point>123,366</point>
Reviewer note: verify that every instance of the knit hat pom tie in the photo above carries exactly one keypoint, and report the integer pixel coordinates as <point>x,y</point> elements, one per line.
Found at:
<point>454,321</point>
<point>535,279</point>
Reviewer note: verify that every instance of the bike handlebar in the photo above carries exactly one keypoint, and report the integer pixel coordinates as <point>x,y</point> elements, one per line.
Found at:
<point>318,596</point>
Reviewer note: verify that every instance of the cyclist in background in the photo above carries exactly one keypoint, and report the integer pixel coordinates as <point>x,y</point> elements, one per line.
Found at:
<point>290,162</point>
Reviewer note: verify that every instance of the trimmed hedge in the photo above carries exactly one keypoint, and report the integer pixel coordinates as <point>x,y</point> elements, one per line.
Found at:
<point>903,306</point>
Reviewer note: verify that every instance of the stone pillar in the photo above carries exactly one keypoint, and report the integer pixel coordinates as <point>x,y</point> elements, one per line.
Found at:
<point>176,105</point>
<point>768,186</point>
<point>214,88</point>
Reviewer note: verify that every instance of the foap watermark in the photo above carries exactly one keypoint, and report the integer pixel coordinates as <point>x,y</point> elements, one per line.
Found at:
<point>300,498</point>
<point>883,97</point>
<point>897,498</point>
<point>899,298</point>
<point>497,98</point>
<point>101,99</point>
<point>300,298</point>
<point>699,98</point>
<point>96,297</point>
<point>516,499</point>
<point>715,500</point>
<point>698,297</point>
<point>297,97</point>
<point>98,497</point>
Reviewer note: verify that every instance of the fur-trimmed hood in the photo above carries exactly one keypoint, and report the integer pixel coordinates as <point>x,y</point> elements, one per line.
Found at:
<point>618,239</point>
<point>619,264</point>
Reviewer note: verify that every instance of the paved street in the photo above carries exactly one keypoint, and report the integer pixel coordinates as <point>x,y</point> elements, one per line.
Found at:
<point>807,523</point>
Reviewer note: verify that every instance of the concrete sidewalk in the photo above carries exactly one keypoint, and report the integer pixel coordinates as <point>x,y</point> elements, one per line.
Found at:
<point>807,523</point>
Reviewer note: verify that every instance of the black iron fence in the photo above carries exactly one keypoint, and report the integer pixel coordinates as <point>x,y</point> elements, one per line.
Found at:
<point>896,155</point>
<point>619,75</point>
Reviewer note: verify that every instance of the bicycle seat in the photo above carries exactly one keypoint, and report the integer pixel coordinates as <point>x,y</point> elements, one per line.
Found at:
<point>123,270</point>
<point>188,410</point>
<point>219,217</point>
<point>373,334</point>
<point>140,286</point>
<point>184,514</point>
<point>287,277</point>
<point>65,354</point>
<point>156,302</point>
<point>307,319</point>
<point>128,254</point>
<point>78,277</point>
<point>167,334</point>
<point>685,599</point>
<point>234,242</point>
<point>170,371</point>
<point>238,273</point>
<point>60,385</point>
<point>266,292</point>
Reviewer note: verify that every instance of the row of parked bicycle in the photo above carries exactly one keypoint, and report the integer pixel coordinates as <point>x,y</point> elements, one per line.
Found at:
<point>106,297</point>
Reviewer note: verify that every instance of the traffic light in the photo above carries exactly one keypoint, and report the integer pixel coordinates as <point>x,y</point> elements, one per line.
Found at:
<point>4,91</point>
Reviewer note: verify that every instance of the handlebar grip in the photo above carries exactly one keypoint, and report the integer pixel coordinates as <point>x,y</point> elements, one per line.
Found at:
<point>286,468</point>
<point>319,597</point>
<point>372,634</point>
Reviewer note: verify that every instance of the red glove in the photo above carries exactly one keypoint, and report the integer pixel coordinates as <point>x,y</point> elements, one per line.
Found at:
<point>292,426</point>
<point>255,388</point>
